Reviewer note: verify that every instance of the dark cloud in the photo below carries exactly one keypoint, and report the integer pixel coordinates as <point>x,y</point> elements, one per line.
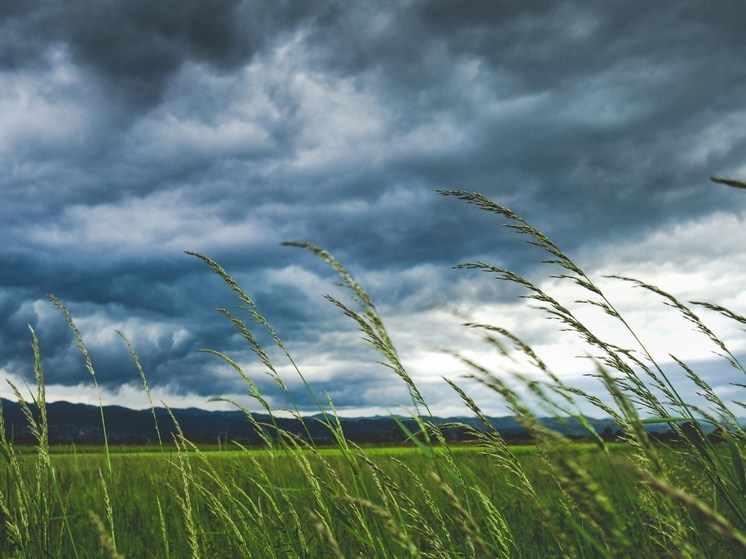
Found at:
<point>135,130</point>
<point>614,94</point>
<point>136,45</point>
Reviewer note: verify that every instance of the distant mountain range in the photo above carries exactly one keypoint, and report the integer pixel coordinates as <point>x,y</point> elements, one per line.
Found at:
<point>81,423</point>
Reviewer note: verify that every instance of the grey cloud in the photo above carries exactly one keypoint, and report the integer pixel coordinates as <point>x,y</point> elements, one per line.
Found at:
<point>229,127</point>
<point>136,45</point>
<point>657,66</point>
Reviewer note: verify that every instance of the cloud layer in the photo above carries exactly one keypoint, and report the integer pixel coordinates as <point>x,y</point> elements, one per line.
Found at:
<point>134,130</point>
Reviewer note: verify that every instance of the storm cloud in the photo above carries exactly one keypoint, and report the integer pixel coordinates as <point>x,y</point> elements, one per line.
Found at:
<point>133,131</point>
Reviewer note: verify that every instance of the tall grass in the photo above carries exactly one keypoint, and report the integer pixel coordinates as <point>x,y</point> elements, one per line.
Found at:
<point>294,498</point>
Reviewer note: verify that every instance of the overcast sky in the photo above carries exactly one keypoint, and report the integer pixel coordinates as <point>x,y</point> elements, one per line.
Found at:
<point>133,130</point>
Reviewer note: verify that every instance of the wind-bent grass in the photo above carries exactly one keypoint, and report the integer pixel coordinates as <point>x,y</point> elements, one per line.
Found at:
<point>145,387</point>
<point>80,345</point>
<point>293,498</point>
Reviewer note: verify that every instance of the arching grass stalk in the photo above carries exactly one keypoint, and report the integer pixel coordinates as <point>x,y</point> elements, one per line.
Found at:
<point>80,345</point>
<point>250,307</point>
<point>145,387</point>
<point>612,355</point>
<point>573,273</point>
<point>369,321</point>
<point>255,394</point>
<point>376,335</point>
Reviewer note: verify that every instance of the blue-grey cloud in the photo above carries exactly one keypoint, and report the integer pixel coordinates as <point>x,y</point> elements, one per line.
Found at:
<point>135,130</point>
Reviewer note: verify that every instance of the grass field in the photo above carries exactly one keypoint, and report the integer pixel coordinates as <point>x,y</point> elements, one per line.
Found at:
<point>291,499</point>
<point>268,497</point>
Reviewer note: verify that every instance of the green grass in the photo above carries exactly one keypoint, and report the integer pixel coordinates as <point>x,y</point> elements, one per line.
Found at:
<point>432,499</point>
<point>143,479</point>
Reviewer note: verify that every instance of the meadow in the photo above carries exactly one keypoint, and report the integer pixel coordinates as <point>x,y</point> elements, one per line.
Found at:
<point>292,498</point>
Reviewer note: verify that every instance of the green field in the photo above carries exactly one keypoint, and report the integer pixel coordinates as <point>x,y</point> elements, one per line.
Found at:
<point>556,498</point>
<point>377,502</point>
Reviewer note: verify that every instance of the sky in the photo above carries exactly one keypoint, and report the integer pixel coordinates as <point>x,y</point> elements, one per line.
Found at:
<point>134,130</point>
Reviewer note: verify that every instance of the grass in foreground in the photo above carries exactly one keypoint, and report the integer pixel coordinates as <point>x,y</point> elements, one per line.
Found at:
<point>293,499</point>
